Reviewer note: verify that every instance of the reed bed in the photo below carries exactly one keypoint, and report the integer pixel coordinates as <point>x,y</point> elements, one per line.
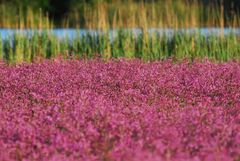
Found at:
<point>20,47</point>
<point>152,14</point>
<point>19,18</point>
<point>124,14</point>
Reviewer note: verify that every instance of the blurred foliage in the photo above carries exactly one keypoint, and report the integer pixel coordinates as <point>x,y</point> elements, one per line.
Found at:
<point>75,13</point>
<point>59,8</point>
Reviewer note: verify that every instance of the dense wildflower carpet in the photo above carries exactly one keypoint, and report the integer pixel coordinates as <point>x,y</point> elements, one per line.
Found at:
<point>120,110</point>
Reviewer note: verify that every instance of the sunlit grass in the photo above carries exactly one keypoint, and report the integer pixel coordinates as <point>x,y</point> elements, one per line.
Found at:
<point>145,45</point>
<point>124,14</point>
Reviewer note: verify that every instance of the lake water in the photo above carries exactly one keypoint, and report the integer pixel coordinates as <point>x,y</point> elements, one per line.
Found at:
<point>71,33</point>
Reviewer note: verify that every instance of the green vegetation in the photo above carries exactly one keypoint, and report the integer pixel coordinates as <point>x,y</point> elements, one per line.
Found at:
<point>118,14</point>
<point>19,47</point>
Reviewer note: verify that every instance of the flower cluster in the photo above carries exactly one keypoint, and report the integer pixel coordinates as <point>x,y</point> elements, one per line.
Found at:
<point>120,110</point>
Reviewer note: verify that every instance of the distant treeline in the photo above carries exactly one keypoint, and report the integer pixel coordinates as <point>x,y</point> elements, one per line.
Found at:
<point>72,13</point>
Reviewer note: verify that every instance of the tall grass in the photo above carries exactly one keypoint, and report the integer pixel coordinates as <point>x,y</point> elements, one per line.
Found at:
<point>152,14</point>
<point>19,18</point>
<point>146,46</point>
<point>1,48</point>
<point>124,14</point>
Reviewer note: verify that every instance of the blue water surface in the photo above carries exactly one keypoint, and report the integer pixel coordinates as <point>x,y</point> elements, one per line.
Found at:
<point>72,33</point>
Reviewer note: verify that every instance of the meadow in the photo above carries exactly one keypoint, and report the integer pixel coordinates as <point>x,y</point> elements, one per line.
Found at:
<point>106,17</point>
<point>120,110</point>
<point>116,88</point>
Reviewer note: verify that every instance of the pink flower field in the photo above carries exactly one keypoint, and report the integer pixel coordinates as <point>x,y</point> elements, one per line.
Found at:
<point>121,110</point>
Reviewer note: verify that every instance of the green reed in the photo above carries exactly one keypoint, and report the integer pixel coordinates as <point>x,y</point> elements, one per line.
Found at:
<point>125,43</point>
<point>1,48</point>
